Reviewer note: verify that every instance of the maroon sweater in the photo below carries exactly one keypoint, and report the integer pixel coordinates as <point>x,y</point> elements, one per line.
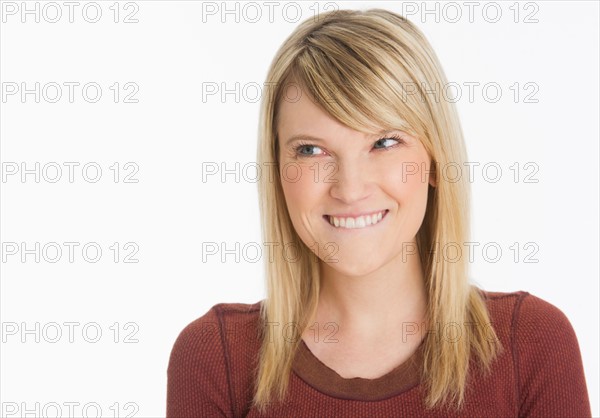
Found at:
<point>540,373</point>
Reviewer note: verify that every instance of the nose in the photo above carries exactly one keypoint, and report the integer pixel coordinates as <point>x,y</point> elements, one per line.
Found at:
<point>350,183</point>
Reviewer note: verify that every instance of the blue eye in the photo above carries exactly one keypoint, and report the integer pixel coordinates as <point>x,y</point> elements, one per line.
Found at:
<point>302,147</point>
<point>383,140</point>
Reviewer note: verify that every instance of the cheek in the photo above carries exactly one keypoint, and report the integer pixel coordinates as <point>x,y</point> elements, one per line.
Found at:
<point>407,183</point>
<point>410,175</point>
<point>302,191</point>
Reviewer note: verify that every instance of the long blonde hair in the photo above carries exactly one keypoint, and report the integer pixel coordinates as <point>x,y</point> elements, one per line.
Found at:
<point>370,70</point>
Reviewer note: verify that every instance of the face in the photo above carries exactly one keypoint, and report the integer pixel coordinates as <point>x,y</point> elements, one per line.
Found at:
<point>357,200</point>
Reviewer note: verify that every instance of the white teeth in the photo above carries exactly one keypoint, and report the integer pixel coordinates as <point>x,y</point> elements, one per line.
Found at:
<point>355,223</point>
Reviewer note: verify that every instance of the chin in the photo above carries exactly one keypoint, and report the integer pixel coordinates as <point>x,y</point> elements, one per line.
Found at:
<point>352,267</point>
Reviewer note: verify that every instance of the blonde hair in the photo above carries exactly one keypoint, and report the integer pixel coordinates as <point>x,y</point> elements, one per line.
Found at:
<point>366,69</point>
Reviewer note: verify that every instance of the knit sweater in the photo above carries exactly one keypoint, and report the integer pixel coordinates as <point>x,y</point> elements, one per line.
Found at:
<point>539,374</point>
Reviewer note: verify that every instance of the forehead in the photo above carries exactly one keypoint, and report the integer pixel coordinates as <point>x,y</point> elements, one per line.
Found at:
<point>298,113</point>
<point>296,103</point>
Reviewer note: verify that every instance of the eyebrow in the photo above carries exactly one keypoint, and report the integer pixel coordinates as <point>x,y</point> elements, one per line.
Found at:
<point>317,139</point>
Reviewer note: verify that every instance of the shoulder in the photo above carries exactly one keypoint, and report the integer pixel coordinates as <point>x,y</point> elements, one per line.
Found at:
<point>523,307</point>
<point>535,315</point>
<point>210,362</point>
<point>214,322</point>
<point>502,308</point>
<point>527,317</point>
<point>212,330</point>
<point>220,315</point>
<point>528,312</point>
<point>542,332</point>
<point>545,352</point>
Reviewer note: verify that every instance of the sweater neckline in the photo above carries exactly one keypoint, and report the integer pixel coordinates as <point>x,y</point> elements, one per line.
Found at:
<point>326,380</point>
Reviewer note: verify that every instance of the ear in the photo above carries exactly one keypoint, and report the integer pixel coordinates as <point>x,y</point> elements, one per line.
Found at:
<point>432,174</point>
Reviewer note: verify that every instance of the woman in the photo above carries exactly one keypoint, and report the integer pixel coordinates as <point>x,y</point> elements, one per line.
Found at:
<point>367,315</point>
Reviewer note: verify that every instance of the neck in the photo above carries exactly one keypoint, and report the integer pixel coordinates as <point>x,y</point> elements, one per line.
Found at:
<point>393,297</point>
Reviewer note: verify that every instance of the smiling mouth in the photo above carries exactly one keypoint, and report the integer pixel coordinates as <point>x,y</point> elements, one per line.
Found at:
<point>358,222</point>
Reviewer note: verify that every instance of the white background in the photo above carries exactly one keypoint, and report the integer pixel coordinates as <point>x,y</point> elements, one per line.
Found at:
<point>170,54</point>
